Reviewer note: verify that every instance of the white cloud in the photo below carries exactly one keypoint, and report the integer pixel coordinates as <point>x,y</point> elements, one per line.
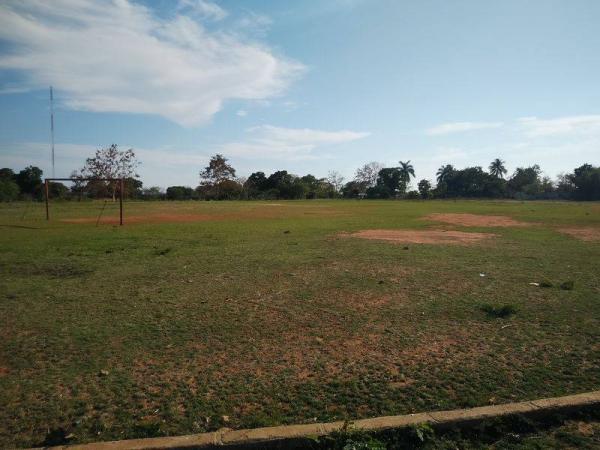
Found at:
<point>120,57</point>
<point>459,127</point>
<point>203,8</point>
<point>562,126</point>
<point>291,144</point>
<point>254,23</point>
<point>241,113</point>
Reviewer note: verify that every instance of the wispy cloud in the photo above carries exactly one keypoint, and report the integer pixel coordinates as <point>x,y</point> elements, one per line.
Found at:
<point>460,127</point>
<point>561,126</point>
<point>203,9</point>
<point>254,23</point>
<point>120,56</point>
<point>291,144</point>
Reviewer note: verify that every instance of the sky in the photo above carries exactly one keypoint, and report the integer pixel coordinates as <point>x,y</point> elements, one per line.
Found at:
<point>306,86</point>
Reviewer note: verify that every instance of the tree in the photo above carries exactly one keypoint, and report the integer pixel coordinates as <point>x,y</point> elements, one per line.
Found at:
<point>312,185</point>
<point>286,186</point>
<point>406,171</point>
<point>179,193</point>
<point>444,172</point>
<point>214,174</point>
<point>367,174</point>
<point>352,189</point>
<point>255,185</point>
<point>110,162</point>
<point>7,174</point>
<point>257,180</point>
<point>133,188</point>
<point>424,187</point>
<point>336,180</point>
<point>57,190</point>
<point>217,171</point>
<point>78,185</point>
<point>229,190</point>
<point>497,168</point>
<point>389,182</point>
<point>472,182</point>
<point>586,181</point>
<point>564,186</point>
<point>30,180</point>
<point>526,180</point>
<point>152,193</point>
<point>9,189</point>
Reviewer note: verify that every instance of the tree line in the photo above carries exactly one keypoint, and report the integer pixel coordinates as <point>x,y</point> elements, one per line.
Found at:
<point>218,181</point>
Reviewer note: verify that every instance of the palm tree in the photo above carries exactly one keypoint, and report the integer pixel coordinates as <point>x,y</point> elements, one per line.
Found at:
<point>444,172</point>
<point>497,168</point>
<point>406,171</point>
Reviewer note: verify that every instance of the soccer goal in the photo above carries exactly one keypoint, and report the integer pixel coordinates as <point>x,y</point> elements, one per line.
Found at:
<point>119,186</point>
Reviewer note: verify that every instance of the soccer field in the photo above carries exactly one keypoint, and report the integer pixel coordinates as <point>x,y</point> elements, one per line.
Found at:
<point>199,315</point>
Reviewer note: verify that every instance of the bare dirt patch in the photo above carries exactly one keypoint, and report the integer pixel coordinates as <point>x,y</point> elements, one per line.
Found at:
<point>423,237</point>
<point>476,220</point>
<point>585,234</point>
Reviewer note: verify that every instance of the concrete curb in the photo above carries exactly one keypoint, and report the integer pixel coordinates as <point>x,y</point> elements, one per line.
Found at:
<point>289,436</point>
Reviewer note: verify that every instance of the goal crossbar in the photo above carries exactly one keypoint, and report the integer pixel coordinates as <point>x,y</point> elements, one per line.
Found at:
<point>121,182</point>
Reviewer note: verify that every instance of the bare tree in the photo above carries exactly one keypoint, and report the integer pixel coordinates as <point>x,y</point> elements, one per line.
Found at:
<point>367,174</point>
<point>111,162</point>
<point>336,180</point>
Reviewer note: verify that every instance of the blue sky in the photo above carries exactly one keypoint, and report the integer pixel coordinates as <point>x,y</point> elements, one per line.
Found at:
<point>306,86</point>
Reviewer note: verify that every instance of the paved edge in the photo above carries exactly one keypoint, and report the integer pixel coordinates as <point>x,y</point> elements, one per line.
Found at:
<point>287,434</point>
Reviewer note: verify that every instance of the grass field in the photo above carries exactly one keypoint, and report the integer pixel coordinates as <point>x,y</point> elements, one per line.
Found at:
<point>199,315</point>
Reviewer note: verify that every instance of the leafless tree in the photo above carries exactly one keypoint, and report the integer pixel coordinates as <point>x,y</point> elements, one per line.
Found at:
<point>336,180</point>
<point>367,174</point>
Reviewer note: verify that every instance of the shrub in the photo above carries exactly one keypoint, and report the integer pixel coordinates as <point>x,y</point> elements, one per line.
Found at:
<point>9,191</point>
<point>568,285</point>
<point>498,312</point>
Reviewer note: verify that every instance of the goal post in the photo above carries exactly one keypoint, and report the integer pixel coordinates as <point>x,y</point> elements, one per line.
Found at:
<point>120,181</point>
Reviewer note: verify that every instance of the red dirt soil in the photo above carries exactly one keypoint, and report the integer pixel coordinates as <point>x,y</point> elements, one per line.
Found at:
<point>423,237</point>
<point>584,234</point>
<point>475,220</point>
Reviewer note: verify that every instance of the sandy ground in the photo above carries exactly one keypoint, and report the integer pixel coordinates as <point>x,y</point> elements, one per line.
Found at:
<point>423,237</point>
<point>475,220</point>
<point>585,234</point>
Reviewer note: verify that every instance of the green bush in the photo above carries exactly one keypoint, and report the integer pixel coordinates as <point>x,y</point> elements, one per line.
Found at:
<point>499,312</point>
<point>9,191</point>
<point>568,285</point>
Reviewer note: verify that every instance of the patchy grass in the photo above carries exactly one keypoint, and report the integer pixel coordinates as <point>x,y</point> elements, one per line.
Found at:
<point>262,314</point>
